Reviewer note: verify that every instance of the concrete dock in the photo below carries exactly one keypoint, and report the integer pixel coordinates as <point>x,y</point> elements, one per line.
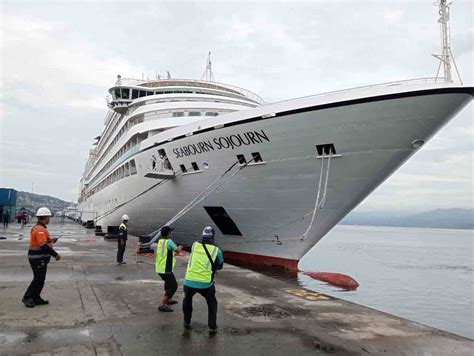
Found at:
<point>99,308</point>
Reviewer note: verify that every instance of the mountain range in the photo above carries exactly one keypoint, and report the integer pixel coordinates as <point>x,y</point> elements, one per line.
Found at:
<point>454,218</point>
<point>34,201</point>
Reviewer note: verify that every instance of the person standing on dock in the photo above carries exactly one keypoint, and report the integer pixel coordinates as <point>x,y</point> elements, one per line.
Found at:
<point>6,218</point>
<point>23,220</point>
<point>164,265</point>
<point>205,260</point>
<point>122,240</point>
<point>39,255</point>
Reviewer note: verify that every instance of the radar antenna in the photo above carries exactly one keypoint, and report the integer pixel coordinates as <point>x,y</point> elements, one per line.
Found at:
<point>208,76</point>
<point>446,55</point>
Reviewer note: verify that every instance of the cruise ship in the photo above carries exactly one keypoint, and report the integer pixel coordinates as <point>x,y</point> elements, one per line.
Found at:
<point>271,178</point>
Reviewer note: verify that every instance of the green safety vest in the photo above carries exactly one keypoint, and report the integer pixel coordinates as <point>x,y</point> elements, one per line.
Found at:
<point>199,266</point>
<point>165,260</point>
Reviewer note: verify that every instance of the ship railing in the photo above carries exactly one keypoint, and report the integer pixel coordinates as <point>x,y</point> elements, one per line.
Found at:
<point>426,80</point>
<point>193,83</point>
<point>111,102</point>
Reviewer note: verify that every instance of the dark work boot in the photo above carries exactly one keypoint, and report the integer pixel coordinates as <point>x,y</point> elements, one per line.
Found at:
<point>29,303</point>
<point>41,301</point>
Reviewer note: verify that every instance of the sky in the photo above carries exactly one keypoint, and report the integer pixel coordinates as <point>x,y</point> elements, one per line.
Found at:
<point>57,60</point>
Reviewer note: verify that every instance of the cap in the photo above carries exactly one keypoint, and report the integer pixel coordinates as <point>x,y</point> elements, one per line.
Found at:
<point>165,230</point>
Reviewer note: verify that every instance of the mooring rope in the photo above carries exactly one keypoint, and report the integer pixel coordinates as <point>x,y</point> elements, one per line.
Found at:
<point>196,200</point>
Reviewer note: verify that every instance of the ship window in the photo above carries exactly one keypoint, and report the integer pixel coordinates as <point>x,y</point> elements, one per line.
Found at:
<point>149,93</point>
<point>241,159</point>
<point>256,157</point>
<point>178,114</point>
<point>125,93</point>
<point>117,93</point>
<point>142,93</point>
<point>326,149</point>
<point>133,167</point>
<point>134,94</point>
<point>194,113</point>
<point>183,168</point>
<point>223,221</point>
<point>212,113</point>
<point>195,166</point>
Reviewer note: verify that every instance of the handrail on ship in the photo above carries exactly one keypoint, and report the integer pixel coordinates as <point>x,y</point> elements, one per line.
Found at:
<point>189,82</point>
<point>386,84</point>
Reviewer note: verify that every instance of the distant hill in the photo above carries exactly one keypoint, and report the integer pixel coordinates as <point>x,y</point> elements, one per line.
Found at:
<point>34,201</point>
<point>440,218</point>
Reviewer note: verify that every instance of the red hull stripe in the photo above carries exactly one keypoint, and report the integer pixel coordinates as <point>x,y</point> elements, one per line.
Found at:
<point>261,261</point>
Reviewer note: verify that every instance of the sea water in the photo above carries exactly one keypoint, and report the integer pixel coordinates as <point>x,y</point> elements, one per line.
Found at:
<point>424,275</point>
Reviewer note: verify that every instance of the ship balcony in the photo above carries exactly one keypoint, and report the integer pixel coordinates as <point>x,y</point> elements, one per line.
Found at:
<point>161,171</point>
<point>118,105</point>
<point>165,174</point>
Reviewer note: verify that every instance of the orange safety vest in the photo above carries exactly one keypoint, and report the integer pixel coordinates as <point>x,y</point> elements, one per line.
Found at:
<point>38,237</point>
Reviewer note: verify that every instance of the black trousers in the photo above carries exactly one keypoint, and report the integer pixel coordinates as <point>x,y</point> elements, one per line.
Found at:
<point>171,285</point>
<point>121,244</point>
<point>210,295</point>
<point>39,267</point>
<point>5,223</point>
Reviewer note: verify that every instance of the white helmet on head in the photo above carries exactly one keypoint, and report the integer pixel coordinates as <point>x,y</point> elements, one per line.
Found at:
<point>43,212</point>
<point>125,217</point>
<point>208,232</point>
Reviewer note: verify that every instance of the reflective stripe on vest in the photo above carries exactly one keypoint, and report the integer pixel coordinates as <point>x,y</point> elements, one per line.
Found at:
<point>165,260</point>
<point>199,266</point>
<point>122,226</point>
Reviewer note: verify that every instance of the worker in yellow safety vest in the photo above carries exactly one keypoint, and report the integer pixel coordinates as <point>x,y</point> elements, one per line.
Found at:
<point>205,260</point>
<point>122,240</point>
<point>164,265</point>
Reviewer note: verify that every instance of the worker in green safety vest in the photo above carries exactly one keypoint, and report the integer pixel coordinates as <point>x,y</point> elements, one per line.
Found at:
<point>205,260</point>
<point>164,265</point>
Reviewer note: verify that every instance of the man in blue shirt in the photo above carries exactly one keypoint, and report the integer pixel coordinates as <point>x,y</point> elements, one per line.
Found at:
<point>205,260</point>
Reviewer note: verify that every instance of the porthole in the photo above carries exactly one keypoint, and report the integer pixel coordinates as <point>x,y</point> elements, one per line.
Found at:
<point>205,165</point>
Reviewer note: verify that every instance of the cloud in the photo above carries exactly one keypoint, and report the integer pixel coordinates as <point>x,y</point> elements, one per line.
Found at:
<point>392,16</point>
<point>59,58</point>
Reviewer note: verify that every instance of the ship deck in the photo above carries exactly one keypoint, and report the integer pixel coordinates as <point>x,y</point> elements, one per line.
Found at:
<point>99,308</point>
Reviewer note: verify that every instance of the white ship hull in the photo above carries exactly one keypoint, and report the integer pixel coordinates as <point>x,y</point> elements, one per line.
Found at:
<point>271,203</point>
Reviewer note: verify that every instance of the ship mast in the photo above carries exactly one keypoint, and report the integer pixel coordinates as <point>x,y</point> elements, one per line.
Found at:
<point>446,55</point>
<point>207,75</point>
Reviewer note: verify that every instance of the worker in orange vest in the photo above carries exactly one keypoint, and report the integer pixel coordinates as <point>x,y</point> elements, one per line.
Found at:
<point>39,254</point>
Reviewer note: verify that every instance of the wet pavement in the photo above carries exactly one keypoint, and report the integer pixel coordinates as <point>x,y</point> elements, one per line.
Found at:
<point>99,308</point>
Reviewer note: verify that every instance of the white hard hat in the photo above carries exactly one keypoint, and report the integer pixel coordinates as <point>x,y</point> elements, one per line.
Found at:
<point>43,212</point>
<point>208,232</point>
<point>125,217</point>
